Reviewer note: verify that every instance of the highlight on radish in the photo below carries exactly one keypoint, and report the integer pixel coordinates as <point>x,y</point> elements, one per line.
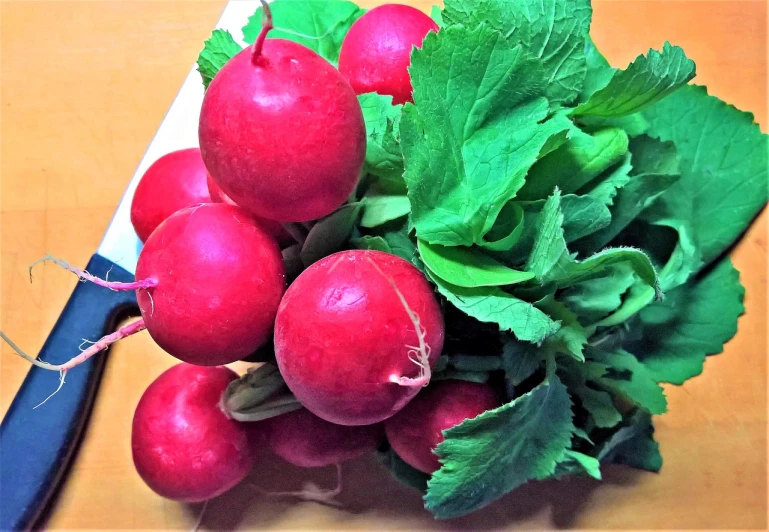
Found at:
<point>281,131</point>
<point>175,181</point>
<point>184,447</point>
<point>357,335</point>
<point>376,53</point>
<point>417,429</point>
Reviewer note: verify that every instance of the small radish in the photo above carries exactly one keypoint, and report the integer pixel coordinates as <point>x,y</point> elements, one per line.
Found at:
<point>305,440</point>
<point>376,52</point>
<point>184,447</point>
<point>416,431</point>
<point>175,181</point>
<point>208,281</point>
<point>357,335</point>
<point>281,131</point>
<point>271,226</point>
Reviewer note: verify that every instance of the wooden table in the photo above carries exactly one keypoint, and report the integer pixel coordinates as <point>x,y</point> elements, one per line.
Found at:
<point>85,85</point>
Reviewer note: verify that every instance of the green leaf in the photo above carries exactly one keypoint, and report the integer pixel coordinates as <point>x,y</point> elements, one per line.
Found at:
<point>329,234</point>
<point>575,463</point>
<point>633,125</point>
<point>523,440</point>
<point>694,320</point>
<point>217,50</point>
<point>583,215</point>
<point>583,158</point>
<point>646,80</point>
<point>320,25</point>
<point>479,123</point>
<point>378,210</point>
<point>492,305</point>
<point>553,31</point>
<point>723,167</point>
<point>604,188</point>
<point>506,230</point>
<point>600,407</point>
<point>437,15</point>
<point>598,73</point>
<point>376,243</point>
<point>655,169</point>
<point>520,360</point>
<point>383,151</point>
<point>621,373</point>
<point>634,445</point>
<point>597,403</point>
<point>550,260</point>
<point>571,338</point>
<point>401,471</point>
<point>468,267</point>
<point>594,299</point>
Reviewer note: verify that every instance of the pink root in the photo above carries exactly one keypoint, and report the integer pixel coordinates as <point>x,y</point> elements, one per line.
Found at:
<point>256,51</point>
<point>98,346</point>
<point>142,284</point>
<point>310,493</point>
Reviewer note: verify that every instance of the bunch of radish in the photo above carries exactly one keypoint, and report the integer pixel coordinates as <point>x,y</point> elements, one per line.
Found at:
<point>356,335</point>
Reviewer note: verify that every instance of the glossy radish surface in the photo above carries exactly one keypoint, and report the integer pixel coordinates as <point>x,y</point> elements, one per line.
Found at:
<point>357,335</point>
<point>416,431</point>
<point>183,445</point>
<point>376,52</point>
<point>305,440</point>
<point>175,181</point>
<point>282,133</point>
<point>218,282</point>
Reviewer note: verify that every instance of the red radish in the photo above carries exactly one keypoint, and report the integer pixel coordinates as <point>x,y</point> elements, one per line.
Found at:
<point>281,131</point>
<point>219,279</point>
<point>175,181</point>
<point>305,440</point>
<point>376,52</point>
<point>271,226</point>
<point>184,447</point>
<point>357,335</point>
<point>208,280</point>
<point>416,431</point>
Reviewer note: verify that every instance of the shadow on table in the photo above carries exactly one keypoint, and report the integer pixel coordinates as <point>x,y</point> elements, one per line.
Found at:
<point>370,491</point>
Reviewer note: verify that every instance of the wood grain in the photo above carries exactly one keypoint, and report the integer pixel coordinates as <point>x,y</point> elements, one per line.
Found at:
<point>85,85</point>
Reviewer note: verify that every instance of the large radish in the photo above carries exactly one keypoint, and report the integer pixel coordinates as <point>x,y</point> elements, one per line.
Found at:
<point>281,131</point>
<point>357,335</point>
<point>376,52</point>
<point>184,447</point>
<point>208,280</point>
<point>175,181</point>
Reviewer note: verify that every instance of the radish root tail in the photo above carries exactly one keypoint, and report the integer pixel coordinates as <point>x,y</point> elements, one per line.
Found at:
<point>85,276</point>
<point>418,354</point>
<point>98,346</point>
<point>311,493</point>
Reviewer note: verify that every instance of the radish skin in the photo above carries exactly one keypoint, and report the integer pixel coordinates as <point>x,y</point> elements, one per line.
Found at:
<point>184,447</point>
<point>303,439</point>
<point>416,431</point>
<point>357,335</point>
<point>175,181</point>
<point>219,282</point>
<point>376,52</point>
